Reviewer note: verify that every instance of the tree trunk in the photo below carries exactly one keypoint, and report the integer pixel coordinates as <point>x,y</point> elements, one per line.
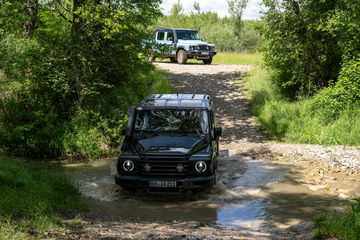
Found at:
<point>30,8</point>
<point>76,32</point>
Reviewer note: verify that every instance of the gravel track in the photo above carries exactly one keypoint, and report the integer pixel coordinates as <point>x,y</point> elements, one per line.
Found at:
<point>330,170</point>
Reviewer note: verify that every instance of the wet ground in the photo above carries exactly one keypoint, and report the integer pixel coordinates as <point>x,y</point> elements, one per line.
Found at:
<point>262,192</point>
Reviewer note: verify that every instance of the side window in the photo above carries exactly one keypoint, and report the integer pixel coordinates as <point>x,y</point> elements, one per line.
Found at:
<point>170,36</point>
<point>161,36</point>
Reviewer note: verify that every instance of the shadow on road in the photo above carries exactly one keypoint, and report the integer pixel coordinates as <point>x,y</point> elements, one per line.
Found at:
<point>232,108</point>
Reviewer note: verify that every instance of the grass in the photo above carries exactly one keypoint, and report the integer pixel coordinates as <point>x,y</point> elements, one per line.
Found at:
<point>238,58</point>
<point>230,58</point>
<point>298,121</point>
<point>160,83</point>
<point>345,226</point>
<point>32,195</point>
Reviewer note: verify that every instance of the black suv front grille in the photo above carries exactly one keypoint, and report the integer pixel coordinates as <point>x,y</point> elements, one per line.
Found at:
<point>164,166</point>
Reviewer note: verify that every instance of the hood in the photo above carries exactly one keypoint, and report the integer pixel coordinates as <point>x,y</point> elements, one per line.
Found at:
<point>171,144</point>
<point>192,42</point>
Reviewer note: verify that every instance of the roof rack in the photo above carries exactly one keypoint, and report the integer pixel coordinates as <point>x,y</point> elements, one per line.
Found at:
<point>177,101</point>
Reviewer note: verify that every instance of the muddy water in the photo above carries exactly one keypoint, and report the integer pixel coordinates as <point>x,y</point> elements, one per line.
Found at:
<point>250,194</point>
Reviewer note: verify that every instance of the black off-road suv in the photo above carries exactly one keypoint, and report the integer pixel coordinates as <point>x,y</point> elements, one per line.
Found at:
<point>171,144</point>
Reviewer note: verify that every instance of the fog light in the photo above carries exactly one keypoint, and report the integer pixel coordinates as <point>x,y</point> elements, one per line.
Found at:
<point>200,166</point>
<point>128,165</point>
<point>180,167</point>
<point>147,167</point>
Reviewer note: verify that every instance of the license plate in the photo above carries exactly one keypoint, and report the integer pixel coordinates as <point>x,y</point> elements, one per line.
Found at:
<point>205,53</point>
<point>162,184</point>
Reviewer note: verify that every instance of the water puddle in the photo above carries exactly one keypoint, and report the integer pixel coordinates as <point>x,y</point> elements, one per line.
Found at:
<point>249,194</point>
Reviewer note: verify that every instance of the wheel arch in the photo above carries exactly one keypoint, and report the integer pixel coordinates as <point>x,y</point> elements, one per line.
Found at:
<point>180,48</point>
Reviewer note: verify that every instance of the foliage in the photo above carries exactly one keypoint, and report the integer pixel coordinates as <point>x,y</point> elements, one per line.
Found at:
<point>69,78</point>
<point>306,41</point>
<point>212,28</point>
<point>346,226</point>
<point>31,197</point>
<point>236,9</point>
<point>343,96</point>
<point>305,121</point>
<point>238,58</point>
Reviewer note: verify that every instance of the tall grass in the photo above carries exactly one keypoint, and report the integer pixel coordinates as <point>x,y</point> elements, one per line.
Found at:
<point>230,58</point>
<point>298,121</point>
<point>346,226</point>
<point>238,58</point>
<point>32,195</point>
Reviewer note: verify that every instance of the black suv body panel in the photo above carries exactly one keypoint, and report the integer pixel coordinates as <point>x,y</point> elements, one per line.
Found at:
<point>179,160</point>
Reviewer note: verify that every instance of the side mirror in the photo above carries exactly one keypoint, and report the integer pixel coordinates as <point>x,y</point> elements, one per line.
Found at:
<point>129,128</point>
<point>171,39</point>
<point>217,132</point>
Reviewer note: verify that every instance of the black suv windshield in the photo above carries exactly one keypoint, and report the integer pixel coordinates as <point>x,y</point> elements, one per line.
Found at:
<point>187,35</point>
<point>172,120</point>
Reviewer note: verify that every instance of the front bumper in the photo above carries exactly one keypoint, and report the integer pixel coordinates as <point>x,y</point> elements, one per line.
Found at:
<point>188,183</point>
<point>200,55</point>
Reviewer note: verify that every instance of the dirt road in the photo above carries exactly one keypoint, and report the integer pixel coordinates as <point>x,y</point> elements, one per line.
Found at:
<point>266,190</point>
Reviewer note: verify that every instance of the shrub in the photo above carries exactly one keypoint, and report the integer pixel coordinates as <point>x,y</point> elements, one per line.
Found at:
<point>342,96</point>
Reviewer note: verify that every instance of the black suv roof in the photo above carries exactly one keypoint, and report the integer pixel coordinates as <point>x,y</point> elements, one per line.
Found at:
<point>188,101</point>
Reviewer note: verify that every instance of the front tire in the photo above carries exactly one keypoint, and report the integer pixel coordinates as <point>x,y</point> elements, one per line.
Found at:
<point>181,56</point>
<point>208,61</point>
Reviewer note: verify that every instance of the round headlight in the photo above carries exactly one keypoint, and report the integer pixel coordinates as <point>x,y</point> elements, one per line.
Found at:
<point>128,166</point>
<point>180,167</point>
<point>147,167</point>
<point>200,166</point>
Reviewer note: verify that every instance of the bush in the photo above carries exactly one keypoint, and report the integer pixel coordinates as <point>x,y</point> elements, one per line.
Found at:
<point>67,84</point>
<point>343,96</point>
<point>305,42</point>
<point>301,121</point>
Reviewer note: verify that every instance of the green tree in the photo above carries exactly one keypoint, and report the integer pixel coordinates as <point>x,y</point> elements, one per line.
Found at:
<point>176,9</point>
<point>236,9</point>
<point>306,41</point>
<point>197,7</point>
<point>71,68</point>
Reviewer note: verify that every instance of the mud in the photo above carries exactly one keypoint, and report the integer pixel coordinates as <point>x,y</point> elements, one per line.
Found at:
<point>265,190</point>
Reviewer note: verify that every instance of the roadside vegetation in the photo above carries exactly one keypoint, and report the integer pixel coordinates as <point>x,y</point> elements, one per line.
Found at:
<point>231,58</point>
<point>331,117</point>
<point>68,71</point>
<point>32,197</point>
<point>307,89</point>
<point>229,34</point>
<point>345,226</point>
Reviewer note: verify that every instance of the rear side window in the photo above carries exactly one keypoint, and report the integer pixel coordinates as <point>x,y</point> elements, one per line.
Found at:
<point>161,36</point>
